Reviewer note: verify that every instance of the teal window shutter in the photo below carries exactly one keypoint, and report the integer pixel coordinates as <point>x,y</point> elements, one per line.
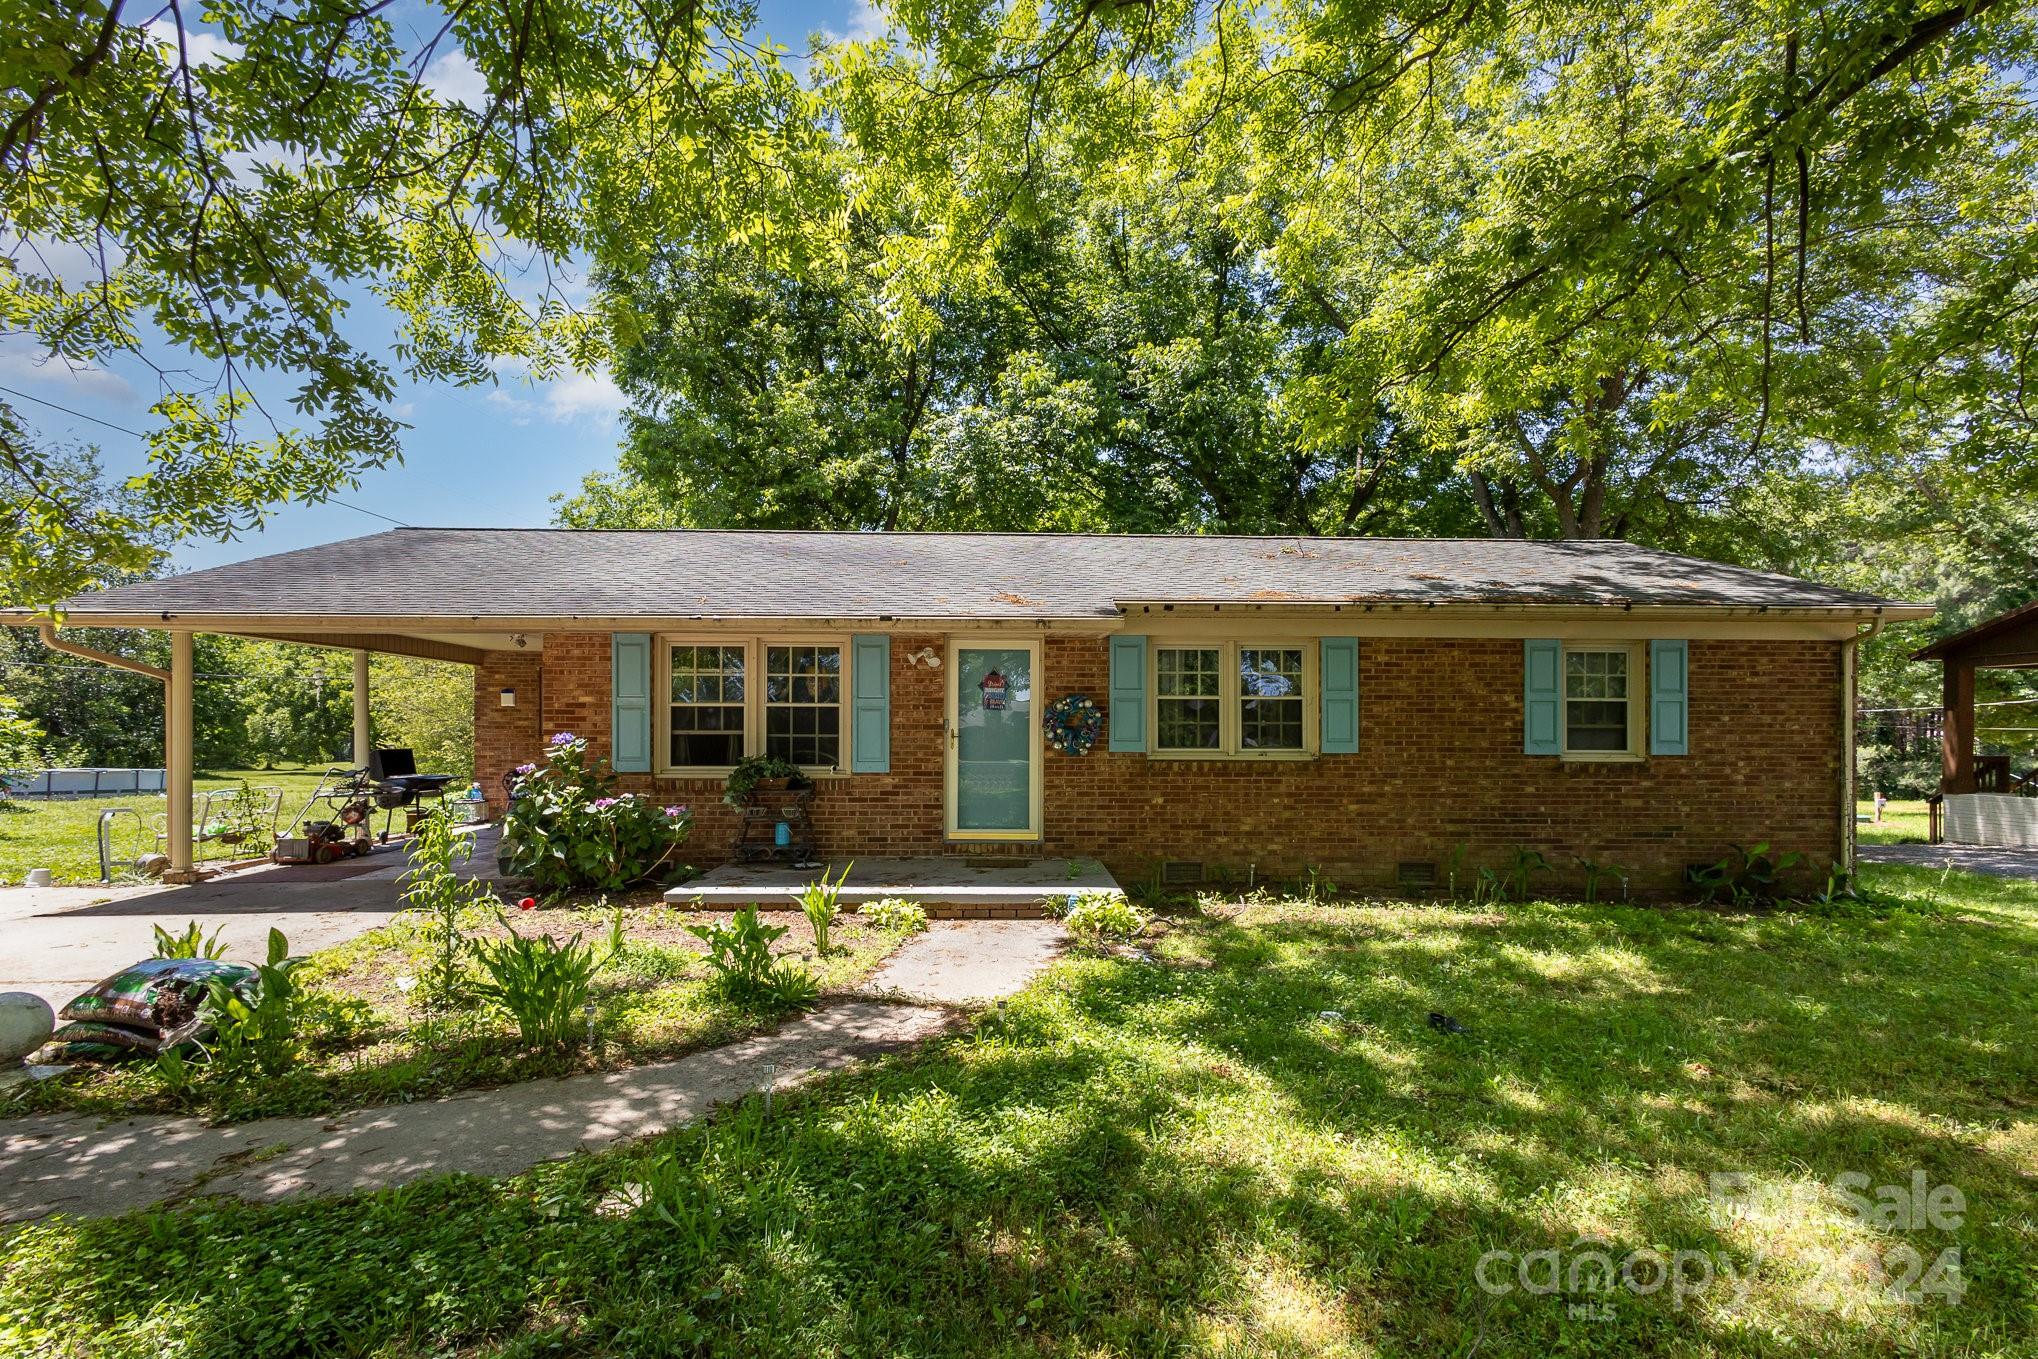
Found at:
<point>1669,698</point>
<point>630,699</point>
<point>1541,696</point>
<point>1339,680</point>
<point>870,703</point>
<point>1128,693</point>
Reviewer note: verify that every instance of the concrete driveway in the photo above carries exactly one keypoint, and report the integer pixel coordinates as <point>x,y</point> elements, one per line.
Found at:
<point>56,941</point>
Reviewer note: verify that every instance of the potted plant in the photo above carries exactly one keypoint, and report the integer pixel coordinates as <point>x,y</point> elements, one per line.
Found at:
<point>767,773</point>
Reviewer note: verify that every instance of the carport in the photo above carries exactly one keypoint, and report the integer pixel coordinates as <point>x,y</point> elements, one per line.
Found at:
<point>1982,798</point>
<point>179,680</point>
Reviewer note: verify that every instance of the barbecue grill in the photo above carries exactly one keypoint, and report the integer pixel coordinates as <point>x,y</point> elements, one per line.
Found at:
<point>394,782</point>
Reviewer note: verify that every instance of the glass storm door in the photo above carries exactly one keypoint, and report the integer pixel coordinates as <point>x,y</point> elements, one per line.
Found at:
<point>993,749</point>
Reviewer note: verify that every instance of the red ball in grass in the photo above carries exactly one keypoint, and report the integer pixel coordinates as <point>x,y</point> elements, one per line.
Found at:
<point>528,903</point>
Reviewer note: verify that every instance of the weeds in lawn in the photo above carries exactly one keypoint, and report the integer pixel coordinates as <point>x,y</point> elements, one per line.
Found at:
<point>902,917</point>
<point>1096,916</point>
<point>1510,882</point>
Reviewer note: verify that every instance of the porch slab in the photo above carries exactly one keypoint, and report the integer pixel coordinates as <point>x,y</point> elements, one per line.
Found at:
<point>952,886</point>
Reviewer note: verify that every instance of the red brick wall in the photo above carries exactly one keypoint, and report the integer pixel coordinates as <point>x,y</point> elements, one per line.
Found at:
<point>505,737</point>
<point>1439,764</point>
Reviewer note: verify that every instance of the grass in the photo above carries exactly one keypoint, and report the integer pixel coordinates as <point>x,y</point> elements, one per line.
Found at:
<point>1254,1144</point>
<point>368,1044</point>
<point>63,835</point>
<point>1903,823</point>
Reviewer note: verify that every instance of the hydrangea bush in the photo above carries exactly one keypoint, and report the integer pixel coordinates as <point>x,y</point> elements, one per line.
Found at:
<point>569,830</point>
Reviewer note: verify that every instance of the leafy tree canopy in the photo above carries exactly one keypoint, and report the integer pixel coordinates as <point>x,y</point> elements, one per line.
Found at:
<point>234,179</point>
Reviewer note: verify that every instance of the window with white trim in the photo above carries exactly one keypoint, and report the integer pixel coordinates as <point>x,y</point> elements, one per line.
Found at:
<point>1599,696</point>
<point>1242,699</point>
<point>1270,706</point>
<point>709,714</point>
<point>732,697</point>
<point>1188,698</point>
<point>803,703</point>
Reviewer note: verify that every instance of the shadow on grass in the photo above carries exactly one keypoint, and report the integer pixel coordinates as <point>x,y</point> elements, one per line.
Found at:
<point>1187,1156</point>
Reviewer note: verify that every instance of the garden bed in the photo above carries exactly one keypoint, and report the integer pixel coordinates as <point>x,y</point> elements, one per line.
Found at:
<point>367,1040</point>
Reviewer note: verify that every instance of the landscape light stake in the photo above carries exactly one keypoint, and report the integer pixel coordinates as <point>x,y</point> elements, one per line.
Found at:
<point>588,1011</point>
<point>770,1080</point>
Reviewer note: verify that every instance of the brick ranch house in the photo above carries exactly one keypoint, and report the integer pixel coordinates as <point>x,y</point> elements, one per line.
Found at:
<point>1270,704</point>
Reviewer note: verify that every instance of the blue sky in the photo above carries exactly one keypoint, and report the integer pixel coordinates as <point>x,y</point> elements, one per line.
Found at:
<point>473,456</point>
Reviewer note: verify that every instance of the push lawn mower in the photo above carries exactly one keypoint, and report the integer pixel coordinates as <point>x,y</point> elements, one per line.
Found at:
<point>350,798</point>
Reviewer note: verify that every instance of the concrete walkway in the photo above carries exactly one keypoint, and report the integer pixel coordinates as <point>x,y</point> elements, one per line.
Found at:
<point>72,1164</point>
<point>1999,863</point>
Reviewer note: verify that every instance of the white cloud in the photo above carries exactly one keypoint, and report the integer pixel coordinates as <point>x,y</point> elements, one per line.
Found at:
<point>457,80</point>
<point>60,378</point>
<point>866,22</point>
<point>201,47</point>
<point>590,398</point>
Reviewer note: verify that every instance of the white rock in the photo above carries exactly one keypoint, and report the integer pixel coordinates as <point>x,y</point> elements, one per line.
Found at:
<point>26,1023</point>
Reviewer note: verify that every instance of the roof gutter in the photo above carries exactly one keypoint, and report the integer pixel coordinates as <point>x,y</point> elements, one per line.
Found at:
<point>56,643</point>
<point>1880,613</point>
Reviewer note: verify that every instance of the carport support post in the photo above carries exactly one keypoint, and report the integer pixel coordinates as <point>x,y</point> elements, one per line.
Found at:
<point>177,757</point>
<point>1957,762</point>
<point>361,736</point>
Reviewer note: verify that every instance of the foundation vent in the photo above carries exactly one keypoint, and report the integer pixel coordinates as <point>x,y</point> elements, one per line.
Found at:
<point>1413,874</point>
<point>1180,872</point>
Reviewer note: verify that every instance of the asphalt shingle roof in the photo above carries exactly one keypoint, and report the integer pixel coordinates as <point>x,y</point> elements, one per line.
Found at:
<point>563,573</point>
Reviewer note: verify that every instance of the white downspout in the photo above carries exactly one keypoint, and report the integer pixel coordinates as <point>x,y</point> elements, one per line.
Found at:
<point>1849,676</point>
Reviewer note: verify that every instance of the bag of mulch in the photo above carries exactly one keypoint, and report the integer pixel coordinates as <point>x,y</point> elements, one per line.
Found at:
<point>87,1041</point>
<point>161,993</point>
<point>144,1008</point>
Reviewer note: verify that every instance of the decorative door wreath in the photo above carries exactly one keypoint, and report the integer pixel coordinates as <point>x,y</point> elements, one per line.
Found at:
<point>1072,724</point>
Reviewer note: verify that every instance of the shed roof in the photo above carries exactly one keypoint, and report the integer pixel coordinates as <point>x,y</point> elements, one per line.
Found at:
<point>476,575</point>
<point>2008,639</point>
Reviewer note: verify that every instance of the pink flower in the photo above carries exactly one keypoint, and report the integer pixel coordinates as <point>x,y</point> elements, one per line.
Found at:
<point>602,804</point>
<point>675,811</point>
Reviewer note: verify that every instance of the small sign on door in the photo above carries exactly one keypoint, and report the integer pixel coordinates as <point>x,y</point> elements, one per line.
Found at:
<point>994,688</point>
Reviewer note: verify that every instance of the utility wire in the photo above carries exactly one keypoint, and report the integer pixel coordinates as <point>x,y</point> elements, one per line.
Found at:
<point>135,433</point>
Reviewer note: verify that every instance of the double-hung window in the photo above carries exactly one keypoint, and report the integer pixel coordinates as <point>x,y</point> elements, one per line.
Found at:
<point>1233,699</point>
<point>1600,684</point>
<point>710,711</point>
<point>803,704</point>
<point>733,698</point>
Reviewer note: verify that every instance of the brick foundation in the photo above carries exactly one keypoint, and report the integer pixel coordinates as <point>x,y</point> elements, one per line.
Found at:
<point>1439,764</point>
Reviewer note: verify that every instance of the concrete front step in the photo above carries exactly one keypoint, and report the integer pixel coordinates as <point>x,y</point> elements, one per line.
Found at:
<point>956,887</point>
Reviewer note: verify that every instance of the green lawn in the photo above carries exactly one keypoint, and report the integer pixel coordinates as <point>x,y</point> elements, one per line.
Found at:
<point>1902,823</point>
<point>62,835</point>
<point>1251,1144</point>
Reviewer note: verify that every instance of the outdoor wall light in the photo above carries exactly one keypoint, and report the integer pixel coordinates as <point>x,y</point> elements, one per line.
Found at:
<point>509,698</point>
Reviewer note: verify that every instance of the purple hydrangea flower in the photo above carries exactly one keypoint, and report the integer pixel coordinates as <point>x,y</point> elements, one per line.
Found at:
<point>602,804</point>
<point>675,811</point>
<point>564,738</point>
<point>527,769</point>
